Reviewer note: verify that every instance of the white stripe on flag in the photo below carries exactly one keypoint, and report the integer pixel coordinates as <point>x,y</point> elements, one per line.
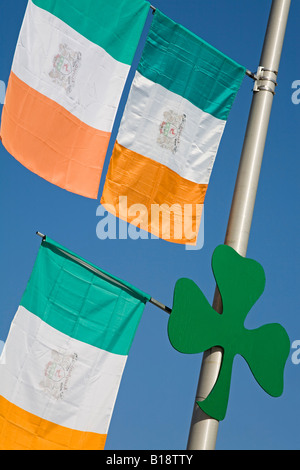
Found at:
<point>47,44</point>
<point>58,378</point>
<point>143,117</point>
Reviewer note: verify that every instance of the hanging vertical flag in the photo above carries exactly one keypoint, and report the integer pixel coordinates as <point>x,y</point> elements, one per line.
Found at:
<point>65,354</point>
<point>173,122</point>
<point>69,70</point>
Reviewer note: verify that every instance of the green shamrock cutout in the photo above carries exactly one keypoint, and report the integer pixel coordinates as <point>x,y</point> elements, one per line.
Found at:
<point>194,327</point>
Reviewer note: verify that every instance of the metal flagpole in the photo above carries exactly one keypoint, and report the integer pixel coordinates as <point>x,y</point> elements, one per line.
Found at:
<point>204,429</point>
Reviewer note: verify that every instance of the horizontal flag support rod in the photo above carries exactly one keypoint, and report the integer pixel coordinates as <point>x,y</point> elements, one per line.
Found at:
<point>160,305</point>
<point>251,74</point>
<point>107,277</point>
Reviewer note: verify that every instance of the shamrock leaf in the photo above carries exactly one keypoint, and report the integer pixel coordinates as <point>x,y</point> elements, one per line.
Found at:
<point>194,327</point>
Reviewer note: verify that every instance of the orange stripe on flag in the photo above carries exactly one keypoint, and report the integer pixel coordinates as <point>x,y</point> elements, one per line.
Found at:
<point>20,430</point>
<point>149,195</point>
<point>50,141</point>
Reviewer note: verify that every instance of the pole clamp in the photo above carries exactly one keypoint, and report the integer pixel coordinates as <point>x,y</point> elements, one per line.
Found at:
<point>265,75</point>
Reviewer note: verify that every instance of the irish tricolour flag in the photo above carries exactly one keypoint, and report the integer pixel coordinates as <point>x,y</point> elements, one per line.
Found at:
<point>171,129</point>
<point>69,70</point>
<point>64,357</point>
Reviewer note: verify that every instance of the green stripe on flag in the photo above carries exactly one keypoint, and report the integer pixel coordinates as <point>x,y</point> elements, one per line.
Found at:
<point>183,63</point>
<point>114,25</point>
<point>78,302</point>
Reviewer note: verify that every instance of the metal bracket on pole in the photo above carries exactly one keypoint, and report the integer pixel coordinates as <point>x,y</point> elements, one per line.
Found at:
<point>264,75</point>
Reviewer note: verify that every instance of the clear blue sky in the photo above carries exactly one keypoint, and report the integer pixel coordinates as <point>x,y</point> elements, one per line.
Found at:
<point>156,397</point>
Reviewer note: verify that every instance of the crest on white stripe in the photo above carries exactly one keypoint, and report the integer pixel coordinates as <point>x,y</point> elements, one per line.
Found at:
<point>170,130</point>
<point>57,374</point>
<point>65,66</point>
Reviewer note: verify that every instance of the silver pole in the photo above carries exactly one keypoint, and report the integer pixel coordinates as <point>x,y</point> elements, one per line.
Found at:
<point>204,429</point>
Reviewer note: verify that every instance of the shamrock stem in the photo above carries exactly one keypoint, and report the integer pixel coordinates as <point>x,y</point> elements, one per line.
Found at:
<point>215,404</point>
